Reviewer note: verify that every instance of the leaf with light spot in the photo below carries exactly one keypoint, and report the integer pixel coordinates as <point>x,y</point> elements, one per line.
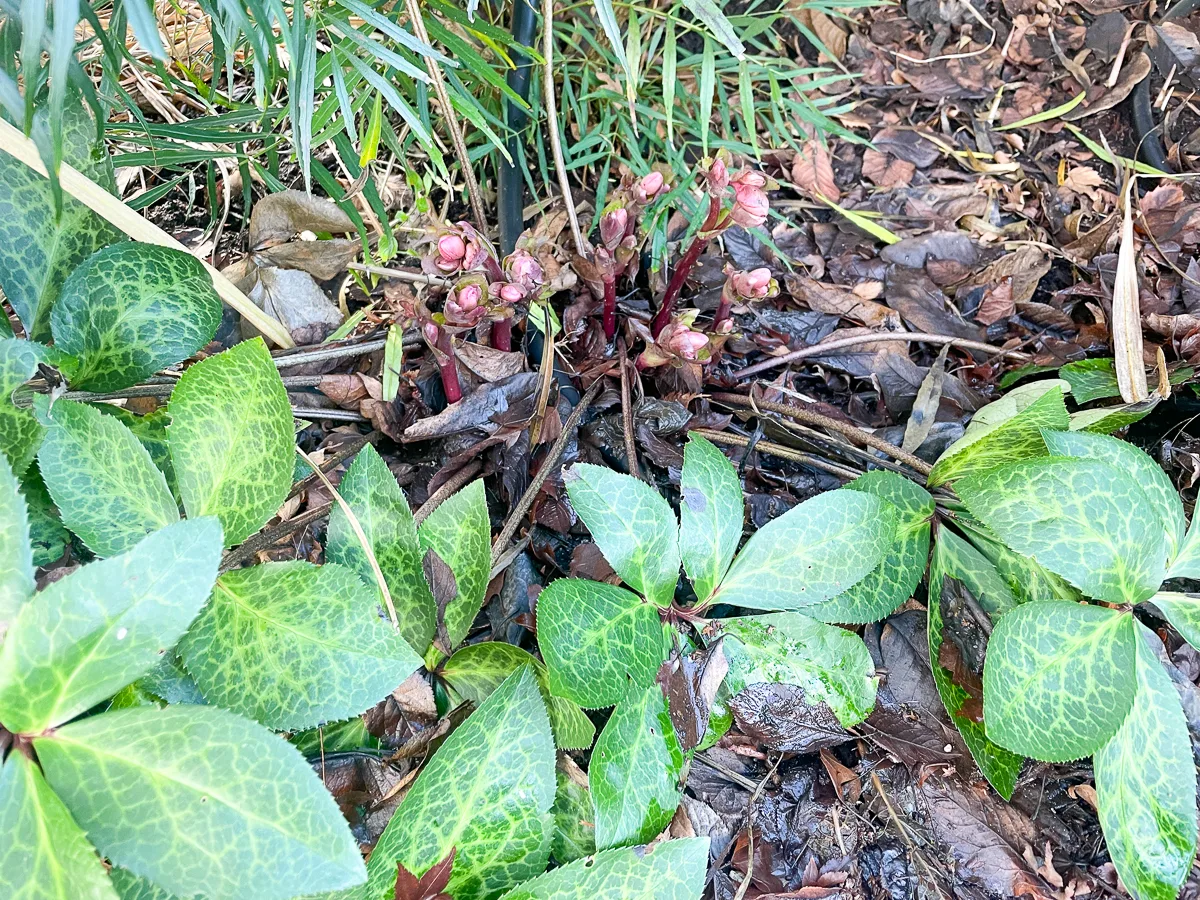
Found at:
<point>1058,679</point>
<point>200,800</point>
<point>292,645</point>
<point>596,639</point>
<point>711,511</point>
<point>107,489</point>
<point>231,439</point>
<point>632,525</point>
<point>132,309</point>
<point>20,431</point>
<point>91,633</point>
<point>460,532</point>
<point>635,770</point>
<point>1146,786</point>
<point>16,558</point>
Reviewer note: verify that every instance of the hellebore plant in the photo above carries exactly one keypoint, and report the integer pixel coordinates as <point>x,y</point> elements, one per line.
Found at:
<point>743,287</point>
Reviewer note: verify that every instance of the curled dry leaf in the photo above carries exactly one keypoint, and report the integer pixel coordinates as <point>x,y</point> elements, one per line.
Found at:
<point>280,217</point>
<point>1127,318</point>
<point>812,171</point>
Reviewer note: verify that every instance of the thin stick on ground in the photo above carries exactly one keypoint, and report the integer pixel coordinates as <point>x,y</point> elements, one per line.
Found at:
<point>627,413</point>
<point>452,123</point>
<point>736,440</point>
<point>272,536</point>
<point>916,337</point>
<point>853,432</point>
<point>560,163</point>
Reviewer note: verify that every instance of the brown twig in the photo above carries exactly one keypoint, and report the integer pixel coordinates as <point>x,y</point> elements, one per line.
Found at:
<point>627,413</point>
<point>736,440</point>
<point>446,489</point>
<point>272,536</point>
<point>556,451</point>
<point>853,432</point>
<point>909,336</point>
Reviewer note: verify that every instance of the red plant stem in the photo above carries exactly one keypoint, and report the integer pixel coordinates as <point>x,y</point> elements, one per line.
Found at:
<point>610,307</point>
<point>723,310</point>
<point>448,369</point>
<point>493,270</point>
<point>502,334</point>
<point>680,276</point>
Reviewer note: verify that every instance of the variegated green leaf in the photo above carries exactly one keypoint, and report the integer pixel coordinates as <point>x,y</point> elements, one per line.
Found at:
<point>1186,563</point>
<point>1107,419</point>
<point>954,557</point>
<point>45,855</point>
<point>574,825</point>
<point>632,525</point>
<point>673,870</point>
<point>1058,679</point>
<point>1148,474</point>
<point>20,432</point>
<point>151,431</point>
<point>636,770</point>
<point>1182,611</point>
<point>47,536</point>
<point>371,491</point>
<point>460,532</point>
<point>814,551</point>
<point>1083,519</point>
<point>292,645</point>
<point>200,800</point>
<point>135,887</point>
<point>1146,786</point>
<point>231,439</point>
<point>91,633</point>
<point>486,794</point>
<point>896,577</point>
<point>478,669</point>
<point>711,511</point>
<point>596,640</point>
<point>16,557</point>
<point>132,309</point>
<point>1027,579</point>
<point>1007,430</point>
<point>107,489</point>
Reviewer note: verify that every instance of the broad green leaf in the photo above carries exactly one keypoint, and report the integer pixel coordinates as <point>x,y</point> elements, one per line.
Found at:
<point>170,683</point>
<point>20,431</point>
<point>151,430</point>
<point>200,800</point>
<point>1091,379</point>
<point>1107,419</point>
<point>291,645</point>
<point>635,770</point>
<point>829,664</point>
<point>596,639</point>
<point>371,491</point>
<point>132,309</point>
<point>1186,563</point>
<point>954,557</point>
<point>673,870</point>
<point>711,511</point>
<point>107,489</point>
<point>39,248</point>
<point>486,793</point>
<point>347,735</point>
<point>16,557</point>
<point>231,439</point>
<point>135,887</point>
<point>1083,519</point>
<point>1027,579</point>
<point>45,855</point>
<point>1058,679</point>
<point>47,536</point>
<point>460,532</point>
<point>896,577</point>
<point>632,525</point>
<point>478,669</point>
<point>814,551</point>
<point>1129,459</point>
<point>1182,611</point>
<point>91,633</point>
<point>1006,430</point>
<point>574,830</point>
<point>1146,786</point>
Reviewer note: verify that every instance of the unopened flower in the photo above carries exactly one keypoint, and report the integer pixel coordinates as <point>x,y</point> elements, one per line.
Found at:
<point>717,177</point>
<point>648,187</point>
<point>522,268</point>
<point>465,304</point>
<point>685,343</point>
<point>509,293</point>
<point>750,207</point>
<point>757,284</point>
<point>612,227</point>
<point>456,248</point>
<point>431,332</point>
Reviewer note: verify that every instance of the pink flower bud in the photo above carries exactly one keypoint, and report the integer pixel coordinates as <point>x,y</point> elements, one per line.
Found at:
<point>612,226</point>
<point>717,177</point>
<point>523,268</point>
<point>468,297</point>
<point>452,248</point>
<point>512,293</point>
<point>648,187</point>
<point>750,206</point>
<point>686,343</point>
<point>749,178</point>
<point>432,332</point>
<point>753,285</point>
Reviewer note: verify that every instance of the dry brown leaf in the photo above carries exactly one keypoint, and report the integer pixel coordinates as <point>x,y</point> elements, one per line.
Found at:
<point>812,171</point>
<point>1126,315</point>
<point>838,301</point>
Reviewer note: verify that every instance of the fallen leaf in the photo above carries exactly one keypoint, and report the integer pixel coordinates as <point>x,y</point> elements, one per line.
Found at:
<point>690,685</point>
<point>430,886</point>
<point>280,217</point>
<point>812,171</point>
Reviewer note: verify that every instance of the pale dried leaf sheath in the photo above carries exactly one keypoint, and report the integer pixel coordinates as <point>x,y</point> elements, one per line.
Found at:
<point>1127,316</point>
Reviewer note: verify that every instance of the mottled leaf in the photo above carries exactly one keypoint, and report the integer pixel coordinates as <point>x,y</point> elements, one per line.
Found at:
<point>107,489</point>
<point>635,770</point>
<point>486,792</point>
<point>596,639</point>
<point>132,309</point>
<point>47,536</point>
<point>1008,429</point>
<point>45,855</point>
<point>39,248</point>
<point>371,491</point>
<point>1058,679</point>
<point>16,557</point>
<point>20,431</point>
<point>632,525</point>
<point>574,828</point>
<point>1146,786</point>
<point>151,431</point>
<point>814,551</point>
<point>231,439</point>
<point>460,533</point>
<point>292,645</point>
<point>1083,519</point>
<point>1107,419</point>
<point>200,800</point>
<point>1186,563</point>
<point>711,510</point>
<point>673,870</point>
<point>1027,579</point>
<point>1182,611</point>
<point>1091,379</point>
<point>896,577</point>
<point>135,887</point>
<point>94,631</point>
